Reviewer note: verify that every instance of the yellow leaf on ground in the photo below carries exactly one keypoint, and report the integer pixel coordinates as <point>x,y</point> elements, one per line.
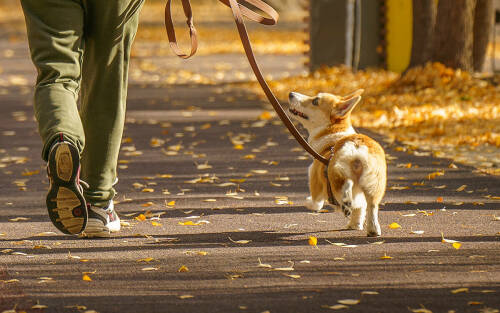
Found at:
<point>434,175</point>
<point>456,245</point>
<point>238,147</point>
<point>385,257</point>
<point>189,223</point>
<point>238,181</point>
<point>30,173</point>
<point>313,241</point>
<point>394,225</point>
<point>183,268</point>
<point>266,115</point>
<point>461,188</point>
<point>145,260</point>
<point>459,290</point>
<point>140,217</point>
<point>86,277</point>
<point>39,306</point>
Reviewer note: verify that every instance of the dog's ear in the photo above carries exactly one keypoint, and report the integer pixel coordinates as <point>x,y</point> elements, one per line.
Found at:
<point>358,92</point>
<point>346,106</point>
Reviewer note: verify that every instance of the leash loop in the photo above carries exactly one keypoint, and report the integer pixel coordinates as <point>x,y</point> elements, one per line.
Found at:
<point>169,26</point>
<point>240,10</point>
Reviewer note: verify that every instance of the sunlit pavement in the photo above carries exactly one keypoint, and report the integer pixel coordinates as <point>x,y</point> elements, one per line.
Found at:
<point>211,194</point>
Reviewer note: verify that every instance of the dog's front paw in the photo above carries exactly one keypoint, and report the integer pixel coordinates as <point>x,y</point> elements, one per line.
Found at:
<point>314,205</point>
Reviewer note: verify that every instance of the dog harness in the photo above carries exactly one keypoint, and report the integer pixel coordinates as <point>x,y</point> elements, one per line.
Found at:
<point>331,198</point>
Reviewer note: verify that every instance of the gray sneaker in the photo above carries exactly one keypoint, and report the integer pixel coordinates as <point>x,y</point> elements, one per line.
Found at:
<point>102,221</point>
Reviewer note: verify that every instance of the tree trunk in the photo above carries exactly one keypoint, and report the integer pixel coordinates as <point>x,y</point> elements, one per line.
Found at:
<point>453,37</point>
<point>483,25</point>
<point>424,19</point>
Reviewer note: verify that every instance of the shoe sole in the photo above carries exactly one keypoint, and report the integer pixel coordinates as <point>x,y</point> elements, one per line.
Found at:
<point>65,202</point>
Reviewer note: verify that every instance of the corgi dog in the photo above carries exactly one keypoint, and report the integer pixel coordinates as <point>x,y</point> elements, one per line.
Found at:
<point>357,169</point>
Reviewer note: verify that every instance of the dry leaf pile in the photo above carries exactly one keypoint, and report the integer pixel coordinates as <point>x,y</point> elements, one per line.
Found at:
<point>432,108</point>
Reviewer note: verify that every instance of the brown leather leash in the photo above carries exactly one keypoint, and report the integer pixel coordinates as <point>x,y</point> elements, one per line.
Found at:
<point>239,10</point>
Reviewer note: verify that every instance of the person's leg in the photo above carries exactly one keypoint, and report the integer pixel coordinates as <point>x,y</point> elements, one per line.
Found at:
<point>109,33</point>
<point>55,29</point>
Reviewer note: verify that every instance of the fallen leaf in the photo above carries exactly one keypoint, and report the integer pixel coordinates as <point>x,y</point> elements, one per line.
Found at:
<point>145,260</point>
<point>17,219</point>
<point>461,188</point>
<point>435,174</point>
<point>86,277</point>
<point>189,223</point>
<point>313,241</point>
<point>417,232</point>
<point>39,306</point>
<point>183,269</point>
<point>183,297</point>
<point>148,269</point>
<point>292,276</point>
<point>263,264</point>
<point>349,301</point>
<point>241,242</point>
<point>443,240</point>
<point>30,173</point>
<point>140,217</point>
<point>290,268</point>
<point>45,233</point>
<point>335,307</point>
<point>385,257</point>
<point>459,290</point>
<point>456,245</point>
<point>266,115</point>
<point>369,292</point>
<point>394,225</point>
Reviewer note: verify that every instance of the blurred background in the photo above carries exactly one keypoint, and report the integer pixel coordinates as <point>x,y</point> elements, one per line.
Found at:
<point>429,67</point>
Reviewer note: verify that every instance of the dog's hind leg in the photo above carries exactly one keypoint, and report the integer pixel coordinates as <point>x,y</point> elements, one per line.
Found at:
<point>372,225</point>
<point>358,209</point>
<point>347,198</point>
<point>316,201</point>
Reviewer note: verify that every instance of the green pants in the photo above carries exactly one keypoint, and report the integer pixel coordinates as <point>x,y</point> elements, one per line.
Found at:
<point>82,47</point>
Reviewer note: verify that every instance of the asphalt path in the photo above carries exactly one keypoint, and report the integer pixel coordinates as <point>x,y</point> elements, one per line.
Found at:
<point>212,194</point>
